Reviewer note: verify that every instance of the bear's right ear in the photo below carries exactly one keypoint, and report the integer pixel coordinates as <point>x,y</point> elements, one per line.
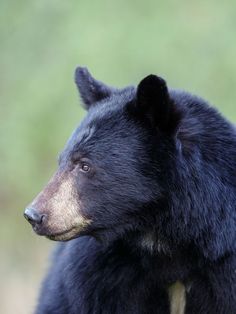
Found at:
<point>91,90</point>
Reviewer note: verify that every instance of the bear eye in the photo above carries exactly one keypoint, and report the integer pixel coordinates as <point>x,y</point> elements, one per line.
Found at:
<point>84,167</point>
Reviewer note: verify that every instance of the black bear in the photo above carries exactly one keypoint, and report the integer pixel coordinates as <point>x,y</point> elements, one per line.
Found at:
<point>146,193</point>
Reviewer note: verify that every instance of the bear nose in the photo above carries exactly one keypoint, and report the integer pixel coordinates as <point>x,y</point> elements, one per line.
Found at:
<point>33,216</point>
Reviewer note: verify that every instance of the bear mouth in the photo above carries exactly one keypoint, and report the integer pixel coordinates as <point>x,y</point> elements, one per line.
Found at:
<point>65,235</point>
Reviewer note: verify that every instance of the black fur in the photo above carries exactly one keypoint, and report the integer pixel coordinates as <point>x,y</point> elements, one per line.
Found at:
<point>161,195</point>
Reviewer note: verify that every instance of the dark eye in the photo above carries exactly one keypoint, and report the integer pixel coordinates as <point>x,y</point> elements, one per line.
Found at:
<point>84,167</point>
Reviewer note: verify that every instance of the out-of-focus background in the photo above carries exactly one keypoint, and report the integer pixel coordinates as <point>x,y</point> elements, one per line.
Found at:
<point>190,43</point>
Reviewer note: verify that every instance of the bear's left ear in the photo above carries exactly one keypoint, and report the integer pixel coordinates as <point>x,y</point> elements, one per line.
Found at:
<point>91,90</point>
<point>153,101</point>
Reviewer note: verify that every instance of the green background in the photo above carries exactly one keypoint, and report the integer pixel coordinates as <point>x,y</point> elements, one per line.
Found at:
<point>189,43</point>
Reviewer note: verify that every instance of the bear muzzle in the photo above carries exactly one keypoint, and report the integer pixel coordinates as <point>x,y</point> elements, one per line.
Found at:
<point>55,212</point>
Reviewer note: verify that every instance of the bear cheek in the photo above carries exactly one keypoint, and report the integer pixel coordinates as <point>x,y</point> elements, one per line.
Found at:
<point>60,204</point>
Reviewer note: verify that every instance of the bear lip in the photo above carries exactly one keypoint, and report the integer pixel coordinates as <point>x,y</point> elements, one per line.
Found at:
<point>64,236</point>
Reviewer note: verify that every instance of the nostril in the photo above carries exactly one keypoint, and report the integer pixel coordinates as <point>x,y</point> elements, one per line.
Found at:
<point>33,216</point>
<point>43,218</point>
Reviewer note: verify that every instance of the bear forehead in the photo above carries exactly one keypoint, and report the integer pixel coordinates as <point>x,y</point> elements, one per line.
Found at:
<point>103,121</point>
<point>110,106</point>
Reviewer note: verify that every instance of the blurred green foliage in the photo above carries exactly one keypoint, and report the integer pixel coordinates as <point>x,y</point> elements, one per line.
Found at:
<point>190,43</point>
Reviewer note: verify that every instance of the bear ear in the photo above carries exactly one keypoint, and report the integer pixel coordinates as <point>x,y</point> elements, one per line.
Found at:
<point>153,101</point>
<point>91,90</point>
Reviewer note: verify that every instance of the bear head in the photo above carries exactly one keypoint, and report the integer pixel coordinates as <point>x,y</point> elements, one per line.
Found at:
<point>111,178</point>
